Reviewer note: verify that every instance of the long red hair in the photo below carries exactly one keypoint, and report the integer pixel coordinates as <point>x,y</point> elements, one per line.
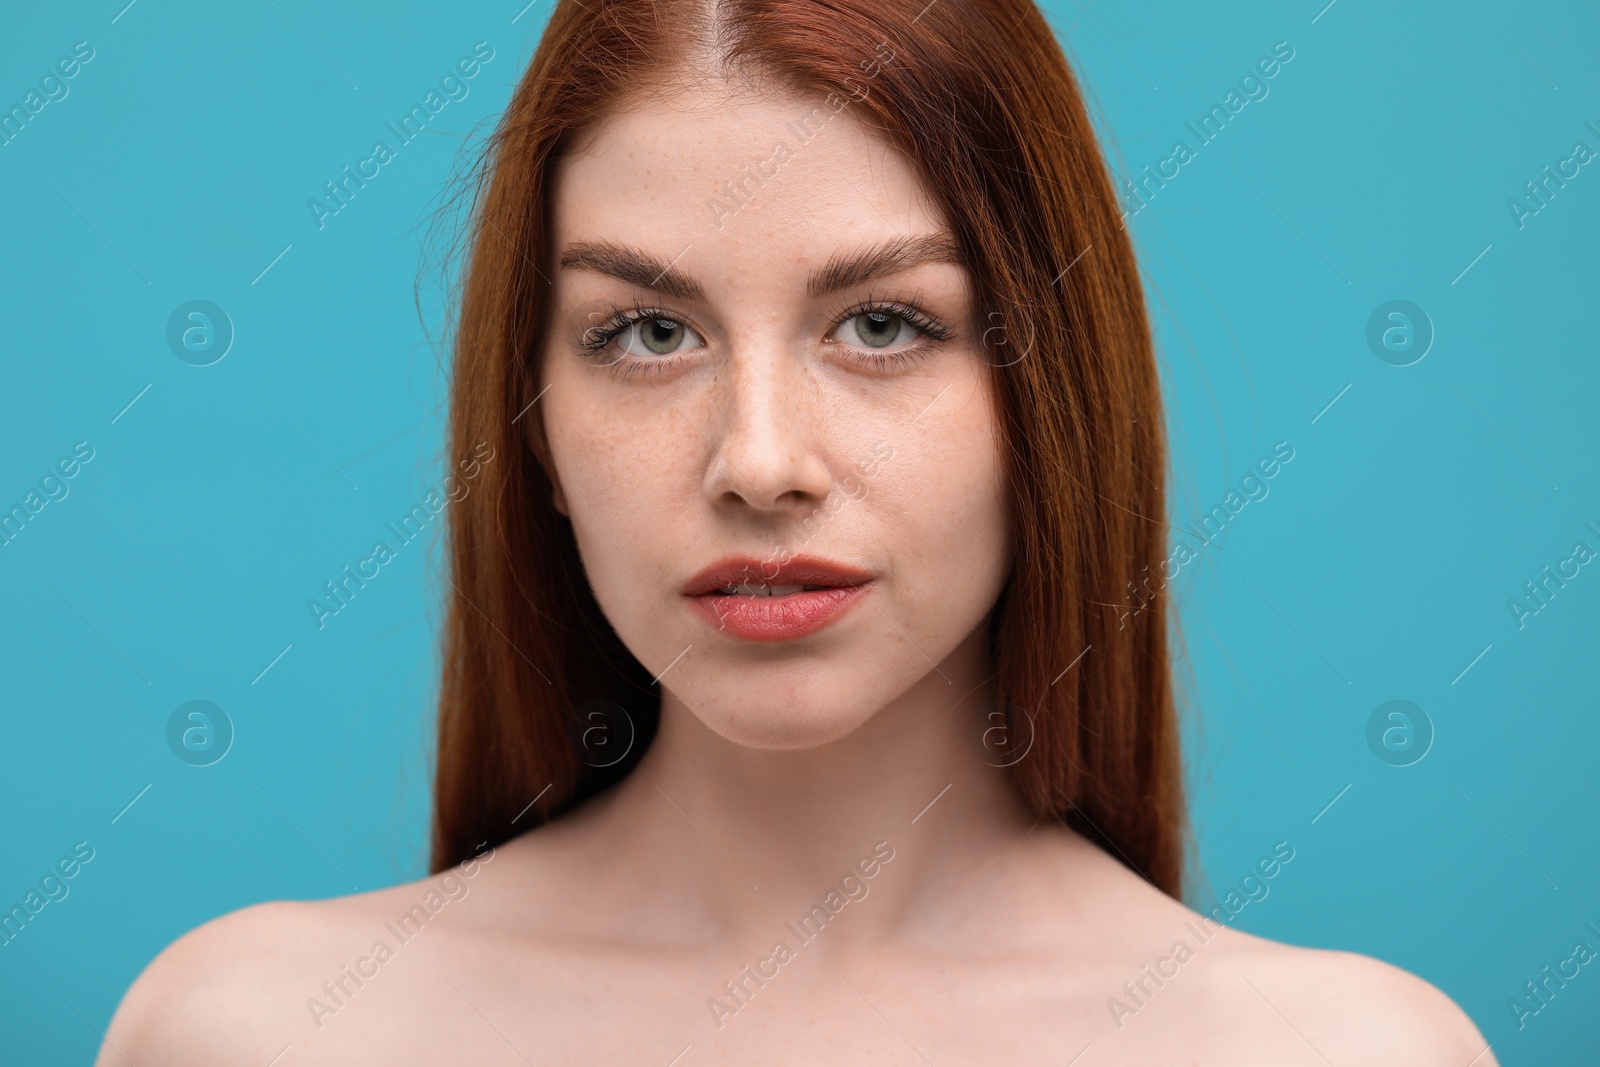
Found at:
<point>980,99</point>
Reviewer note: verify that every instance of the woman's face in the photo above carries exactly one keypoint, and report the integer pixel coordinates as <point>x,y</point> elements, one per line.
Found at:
<point>789,396</point>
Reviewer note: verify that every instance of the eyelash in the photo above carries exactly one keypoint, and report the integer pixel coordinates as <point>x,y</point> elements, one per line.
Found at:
<point>596,338</point>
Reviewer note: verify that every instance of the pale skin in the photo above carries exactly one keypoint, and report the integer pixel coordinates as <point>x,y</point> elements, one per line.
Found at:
<point>607,935</point>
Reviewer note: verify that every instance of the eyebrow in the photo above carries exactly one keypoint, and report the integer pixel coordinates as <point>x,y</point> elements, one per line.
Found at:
<point>842,270</point>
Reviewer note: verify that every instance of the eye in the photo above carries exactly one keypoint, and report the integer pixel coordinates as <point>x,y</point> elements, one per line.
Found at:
<point>655,336</point>
<point>876,329</point>
<point>889,334</point>
<point>648,339</point>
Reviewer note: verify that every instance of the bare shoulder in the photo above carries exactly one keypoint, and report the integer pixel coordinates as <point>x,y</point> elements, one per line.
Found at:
<point>236,988</point>
<point>210,995</point>
<point>1356,1008</point>
<point>1259,1000</point>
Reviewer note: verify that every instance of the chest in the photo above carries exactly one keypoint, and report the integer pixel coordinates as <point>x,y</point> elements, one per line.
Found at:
<point>443,1004</point>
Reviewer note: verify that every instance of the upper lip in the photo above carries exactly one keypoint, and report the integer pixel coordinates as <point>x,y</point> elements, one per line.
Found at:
<point>800,570</point>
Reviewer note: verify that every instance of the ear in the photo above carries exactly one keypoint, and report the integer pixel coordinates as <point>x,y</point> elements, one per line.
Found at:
<point>557,497</point>
<point>533,430</point>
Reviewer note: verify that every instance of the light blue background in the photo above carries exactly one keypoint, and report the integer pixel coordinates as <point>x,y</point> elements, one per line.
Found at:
<point>1379,566</point>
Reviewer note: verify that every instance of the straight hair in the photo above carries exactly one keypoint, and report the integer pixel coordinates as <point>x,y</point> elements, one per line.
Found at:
<point>979,98</point>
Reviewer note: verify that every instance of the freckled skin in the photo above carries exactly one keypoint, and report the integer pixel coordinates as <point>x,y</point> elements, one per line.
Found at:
<point>732,449</point>
<point>608,936</point>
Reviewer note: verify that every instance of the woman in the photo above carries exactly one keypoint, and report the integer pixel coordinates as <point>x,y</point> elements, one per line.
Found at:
<point>792,710</point>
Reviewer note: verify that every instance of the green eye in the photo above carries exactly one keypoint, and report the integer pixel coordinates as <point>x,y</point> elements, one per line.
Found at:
<point>876,330</point>
<point>660,337</point>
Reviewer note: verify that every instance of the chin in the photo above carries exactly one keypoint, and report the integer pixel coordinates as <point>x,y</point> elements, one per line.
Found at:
<point>766,710</point>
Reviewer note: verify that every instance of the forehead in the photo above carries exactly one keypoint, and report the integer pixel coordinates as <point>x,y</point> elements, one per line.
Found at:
<point>738,180</point>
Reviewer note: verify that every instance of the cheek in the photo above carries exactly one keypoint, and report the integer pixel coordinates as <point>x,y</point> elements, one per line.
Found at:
<point>622,468</point>
<point>941,503</point>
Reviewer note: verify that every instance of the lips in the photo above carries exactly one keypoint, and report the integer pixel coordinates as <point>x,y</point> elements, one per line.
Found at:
<point>774,602</point>
<point>801,570</point>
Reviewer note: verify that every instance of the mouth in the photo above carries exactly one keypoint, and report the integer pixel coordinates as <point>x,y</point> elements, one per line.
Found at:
<point>760,589</point>
<point>762,600</point>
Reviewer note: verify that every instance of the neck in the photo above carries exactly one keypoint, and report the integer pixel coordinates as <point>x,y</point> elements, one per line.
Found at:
<point>749,838</point>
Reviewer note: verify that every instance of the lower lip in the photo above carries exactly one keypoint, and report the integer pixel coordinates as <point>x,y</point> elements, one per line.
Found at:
<point>776,618</point>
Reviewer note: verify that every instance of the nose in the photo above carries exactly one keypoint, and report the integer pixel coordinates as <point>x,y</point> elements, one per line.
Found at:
<point>770,452</point>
